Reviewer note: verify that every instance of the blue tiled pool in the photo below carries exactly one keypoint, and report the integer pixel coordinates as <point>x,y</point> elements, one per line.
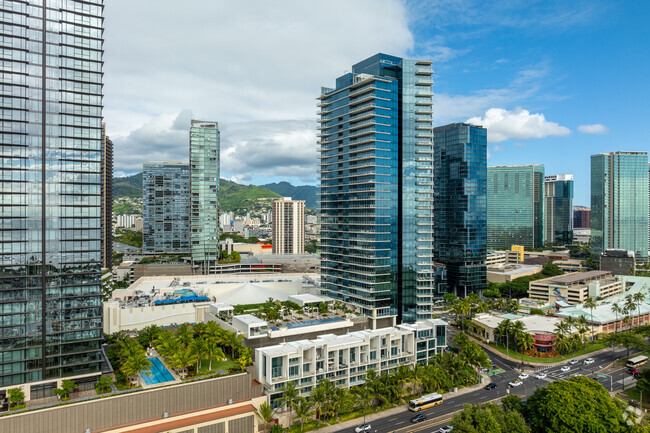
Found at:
<point>314,322</point>
<point>159,373</point>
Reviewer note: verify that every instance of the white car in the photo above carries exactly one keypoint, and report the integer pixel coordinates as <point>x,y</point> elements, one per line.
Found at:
<point>589,361</point>
<point>565,369</point>
<point>363,428</point>
<point>573,362</point>
<point>516,382</point>
<point>523,376</point>
<point>540,375</point>
<point>446,429</point>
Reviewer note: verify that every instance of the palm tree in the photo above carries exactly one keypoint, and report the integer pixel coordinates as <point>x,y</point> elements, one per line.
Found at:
<point>630,305</point>
<point>234,341</point>
<point>265,413</point>
<point>214,351</point>
<point>638,297</point>
<point>148,334</point>
<point>518,328</point>
<point>418,373</point>
<point>561,329</point>
<point>341,399</point>
<point>616,309</point>
<point>289,397</point>
<point>364,396</point>
<point>303,410</point>
<point>526,342</point>
<point>134,364</point>
<point>167,344</point>
<point>591,304</point>
<point>184,334</point>
<point>319,398</point>
<point>570,323</point>
<point>183,359</point>
<point>562,344</point>
<point>198,349</point>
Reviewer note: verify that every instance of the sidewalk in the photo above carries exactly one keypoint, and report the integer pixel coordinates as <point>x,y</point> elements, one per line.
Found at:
<point>352,423</point>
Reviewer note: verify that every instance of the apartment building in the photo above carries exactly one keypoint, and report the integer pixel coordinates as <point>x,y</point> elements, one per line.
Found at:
<point>345,359</point>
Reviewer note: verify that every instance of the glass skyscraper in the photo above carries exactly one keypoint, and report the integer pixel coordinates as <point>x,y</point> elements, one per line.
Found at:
<point>515,203</point>
<point>376,144</point>
<point>619,202</point>
<point>204,193</point>
<point>558,212</point>
<point>51,192</point>
<point>166,207</point>
<point>460,205</point>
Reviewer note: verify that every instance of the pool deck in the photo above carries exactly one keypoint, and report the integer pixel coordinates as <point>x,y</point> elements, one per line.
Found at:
<point>153,354</point>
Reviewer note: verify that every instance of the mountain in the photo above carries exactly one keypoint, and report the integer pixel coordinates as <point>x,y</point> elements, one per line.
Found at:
<point>232,196</point>
<point>309,193</point>
<point>129,186</point>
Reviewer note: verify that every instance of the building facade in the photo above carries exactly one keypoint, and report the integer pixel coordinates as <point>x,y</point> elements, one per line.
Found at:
<point>575,288</point>
<point>558,210</point>
<point>515,203</point>
<point>51,222</point>
<point>345,359</point>
<point>460,205</point>
<point>204,193</point>
<point>581,217</point>
<point>165,208</point>
<point>288,226</point>
<point>619,203</point>
<point>376,191</point>
<point>618,262</point>
<point>107,202</point>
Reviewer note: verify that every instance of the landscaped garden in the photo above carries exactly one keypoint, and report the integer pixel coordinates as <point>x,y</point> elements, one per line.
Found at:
<point>190,350</point>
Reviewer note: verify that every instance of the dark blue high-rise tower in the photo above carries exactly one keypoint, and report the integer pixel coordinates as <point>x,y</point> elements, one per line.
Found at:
<point>376,138</point>
<point>461,205</point>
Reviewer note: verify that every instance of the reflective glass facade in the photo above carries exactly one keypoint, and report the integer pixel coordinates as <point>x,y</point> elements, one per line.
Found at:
<point>515,206</point>
<point>377,188</point>
<point>558,211</point>
<point>619,202</point>
<point>50,189</point>
<point>166,207</point>
<point>461,205</point>
<point>204,193</point>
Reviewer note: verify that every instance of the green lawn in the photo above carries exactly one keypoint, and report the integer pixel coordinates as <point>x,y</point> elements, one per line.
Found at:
<point>590,347</point>
<point>633,393</point>
<point>216,365</point>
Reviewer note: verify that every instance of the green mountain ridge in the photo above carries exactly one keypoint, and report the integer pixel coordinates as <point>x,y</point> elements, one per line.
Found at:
<point>309,193</point>
<point>233,196</point>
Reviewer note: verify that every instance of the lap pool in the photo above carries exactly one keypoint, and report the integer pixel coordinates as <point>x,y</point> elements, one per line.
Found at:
<point>158,373</point>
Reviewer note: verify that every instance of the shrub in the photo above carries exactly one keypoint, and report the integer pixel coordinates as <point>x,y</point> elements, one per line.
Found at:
<point>536,311</point>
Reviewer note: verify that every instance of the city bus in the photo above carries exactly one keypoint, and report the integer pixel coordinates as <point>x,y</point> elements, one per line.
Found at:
<point>636,362</point>
<point>425,402</point>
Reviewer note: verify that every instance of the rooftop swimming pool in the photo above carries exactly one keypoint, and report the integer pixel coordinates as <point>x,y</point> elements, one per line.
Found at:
<point>314,322</point>
<point>158,373</point>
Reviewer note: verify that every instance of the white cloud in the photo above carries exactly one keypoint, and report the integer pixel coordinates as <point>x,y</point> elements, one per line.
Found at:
<point>596,128</point>
<point>497,148</point>
<point>239,63</point>
<point>519,123</point>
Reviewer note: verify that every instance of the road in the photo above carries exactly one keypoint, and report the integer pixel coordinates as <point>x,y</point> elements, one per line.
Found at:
<point>442,415</point>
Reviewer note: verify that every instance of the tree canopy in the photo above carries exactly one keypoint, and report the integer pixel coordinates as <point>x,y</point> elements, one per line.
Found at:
<point>488,418</point>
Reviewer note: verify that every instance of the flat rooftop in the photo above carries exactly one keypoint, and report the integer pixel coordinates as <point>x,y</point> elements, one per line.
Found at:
<point>579,276</point>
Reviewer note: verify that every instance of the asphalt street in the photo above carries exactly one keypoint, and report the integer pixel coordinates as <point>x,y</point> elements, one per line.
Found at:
<point>441,415</point>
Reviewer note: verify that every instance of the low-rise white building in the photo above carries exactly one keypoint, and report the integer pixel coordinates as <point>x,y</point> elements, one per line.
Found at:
<point>345,359</point>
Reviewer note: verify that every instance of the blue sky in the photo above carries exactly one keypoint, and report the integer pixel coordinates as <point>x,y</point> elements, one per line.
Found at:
<point>554,81</point>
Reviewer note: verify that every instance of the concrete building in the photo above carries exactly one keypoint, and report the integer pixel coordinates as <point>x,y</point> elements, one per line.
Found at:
<point>204,194</point>
<point>495,258</point>
<point>288,226</point>
<point>460,205</point>
<point>558,209</point>
<point>125,221</point>
<point>619,203</point>
<point>165,208</point>
<point>345,359</point>
<point>618,262</point>
<point>376,190</point>
<point>574,288</point>
<point>515,198</point>
<point>581,236</point>
<point>509,272</point>
<point>53,147</point>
